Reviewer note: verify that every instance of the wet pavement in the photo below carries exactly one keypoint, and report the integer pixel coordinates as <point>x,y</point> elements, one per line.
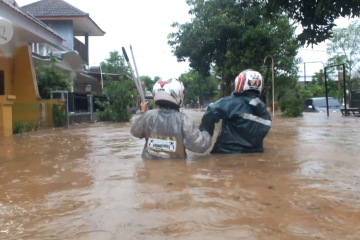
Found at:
<point>91,183</point>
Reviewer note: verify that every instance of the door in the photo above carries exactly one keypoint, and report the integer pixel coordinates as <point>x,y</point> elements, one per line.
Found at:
<point>2,82</point>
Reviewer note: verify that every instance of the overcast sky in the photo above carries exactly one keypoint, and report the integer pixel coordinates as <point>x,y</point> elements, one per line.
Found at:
<point>145,25</point>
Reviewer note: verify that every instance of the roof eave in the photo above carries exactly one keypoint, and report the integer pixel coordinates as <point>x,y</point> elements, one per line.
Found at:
<point>24,20</point>
<point>65,16</point>
<point>73,18</point>
<point>96,25</point>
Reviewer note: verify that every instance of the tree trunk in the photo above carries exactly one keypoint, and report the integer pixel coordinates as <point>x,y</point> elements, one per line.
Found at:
<point>228,87</point>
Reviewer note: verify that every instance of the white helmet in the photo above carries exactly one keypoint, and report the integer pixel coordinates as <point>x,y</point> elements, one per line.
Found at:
<point>249,80</point>
<point>170,91</point>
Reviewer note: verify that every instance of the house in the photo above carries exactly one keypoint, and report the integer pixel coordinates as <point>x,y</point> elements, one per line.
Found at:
<point>17,76</point>
<point>23,43</point>
<point>70,23</point>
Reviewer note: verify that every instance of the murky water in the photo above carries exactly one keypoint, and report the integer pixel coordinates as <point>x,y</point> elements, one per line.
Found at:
<point>90,183</point>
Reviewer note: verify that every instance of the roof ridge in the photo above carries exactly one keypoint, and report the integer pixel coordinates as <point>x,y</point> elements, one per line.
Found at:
<point>32,18</point>
<point>54,8</point>
<point>72,6</point>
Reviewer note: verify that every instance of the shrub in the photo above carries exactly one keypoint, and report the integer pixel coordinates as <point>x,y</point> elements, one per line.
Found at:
<point>217,96</point>
<point>291,107</point>
<point>20,127</point>
<point>51,78</point>
<point>59,115</point>
<point>121,95</point>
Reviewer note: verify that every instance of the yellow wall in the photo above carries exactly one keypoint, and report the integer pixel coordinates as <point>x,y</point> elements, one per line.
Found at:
<point>6,103</point>
<point>24,85</point>
<point>21,88</point>
<point>6,66</point>
<point>34,113</point>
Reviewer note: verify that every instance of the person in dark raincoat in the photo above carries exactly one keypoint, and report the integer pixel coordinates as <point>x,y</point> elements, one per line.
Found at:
<point>245,119</point>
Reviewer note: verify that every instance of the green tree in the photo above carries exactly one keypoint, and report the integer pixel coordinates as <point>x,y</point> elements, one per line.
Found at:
<point>121,95</point>
<point>344,45</point>
<point>316,88</point>
<point>192,81</point>
<point>234,36</point>
<point>115,64</point>
<point>149,83</point>
<point>318,78</point>
<point>316,17</point>
<point>335,60</point>
<point>51,78</point>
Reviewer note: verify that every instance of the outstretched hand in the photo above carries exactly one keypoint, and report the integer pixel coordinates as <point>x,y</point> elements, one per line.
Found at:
<point>144,106</point>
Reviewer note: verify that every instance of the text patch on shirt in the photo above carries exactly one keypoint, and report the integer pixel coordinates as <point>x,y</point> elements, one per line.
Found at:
<point>161,145</point>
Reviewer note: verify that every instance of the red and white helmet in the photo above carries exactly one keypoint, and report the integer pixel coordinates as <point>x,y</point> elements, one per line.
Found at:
<point>249,80</point>
<point>170,91</point>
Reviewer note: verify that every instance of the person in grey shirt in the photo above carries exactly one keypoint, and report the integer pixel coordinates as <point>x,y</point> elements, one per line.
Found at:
<point>167,131</point>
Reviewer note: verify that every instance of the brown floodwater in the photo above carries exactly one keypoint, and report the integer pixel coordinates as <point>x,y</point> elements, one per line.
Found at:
<point>90,183</point>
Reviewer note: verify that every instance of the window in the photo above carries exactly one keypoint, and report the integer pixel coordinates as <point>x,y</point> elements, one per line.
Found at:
<point>2,83</point>
<point>322,102</point>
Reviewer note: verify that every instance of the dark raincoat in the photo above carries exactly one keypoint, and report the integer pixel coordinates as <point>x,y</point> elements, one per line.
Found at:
<point>245,123</point>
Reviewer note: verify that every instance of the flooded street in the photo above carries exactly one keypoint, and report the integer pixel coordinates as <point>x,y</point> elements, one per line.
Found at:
<point>90,183</point>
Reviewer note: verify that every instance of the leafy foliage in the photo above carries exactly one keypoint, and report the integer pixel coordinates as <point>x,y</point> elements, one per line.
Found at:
<point>316,17</point>
<point>115,64</point>
<point>149,83</point>
<point>291,104</point>
<point>20,127</point>
<point>192,81</point>
<point>234,36</point>
<point>217,96</point>
<point>312,90</point>
<point>291,107</point>
<point>344,48</point>
<point>121,96</point>
<point>59,115</point>
<point>316,88</point>
<point>51,78</point>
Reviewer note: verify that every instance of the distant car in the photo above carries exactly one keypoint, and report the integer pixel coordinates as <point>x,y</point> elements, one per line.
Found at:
<point>355,99</point>
<point>319,105</point>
